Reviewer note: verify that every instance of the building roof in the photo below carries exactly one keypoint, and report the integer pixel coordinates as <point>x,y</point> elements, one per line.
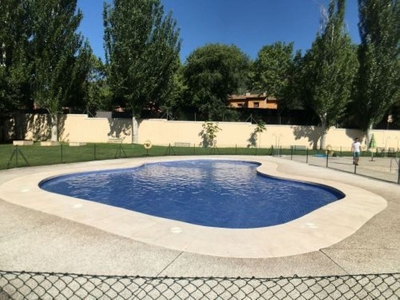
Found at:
<point>250,96</point>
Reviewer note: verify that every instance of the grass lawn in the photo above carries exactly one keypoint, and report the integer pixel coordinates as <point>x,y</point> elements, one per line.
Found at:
<point>36,155</point>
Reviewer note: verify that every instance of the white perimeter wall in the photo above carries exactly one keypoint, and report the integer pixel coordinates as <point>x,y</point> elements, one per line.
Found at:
<point>80,128</point>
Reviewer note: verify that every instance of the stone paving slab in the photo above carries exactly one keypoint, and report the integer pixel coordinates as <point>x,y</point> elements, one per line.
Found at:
<point>35,241</point>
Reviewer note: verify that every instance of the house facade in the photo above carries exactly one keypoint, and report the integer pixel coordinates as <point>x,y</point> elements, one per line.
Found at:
<point>250,100</point>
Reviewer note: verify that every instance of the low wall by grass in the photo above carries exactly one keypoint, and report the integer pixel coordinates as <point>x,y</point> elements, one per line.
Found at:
<point>80,128</point>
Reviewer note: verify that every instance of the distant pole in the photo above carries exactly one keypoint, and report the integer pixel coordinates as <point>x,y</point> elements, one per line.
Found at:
<point>291,152</point>
<point>327,159</point>
<point>398,172</point>
<point>306,155</point>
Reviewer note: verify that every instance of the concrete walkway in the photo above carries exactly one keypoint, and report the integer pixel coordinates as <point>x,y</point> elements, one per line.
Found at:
<point>33,240</point>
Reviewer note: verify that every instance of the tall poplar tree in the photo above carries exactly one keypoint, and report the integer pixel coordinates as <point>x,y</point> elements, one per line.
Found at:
<point>378,78</point>
<point>14,55</point>
<point>142,52</point>
<point>97,90</point>
<point>329,68</point>
<point>61,57</point>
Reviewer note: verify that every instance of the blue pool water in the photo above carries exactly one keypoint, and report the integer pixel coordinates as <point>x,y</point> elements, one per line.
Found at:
<point>216,193</point>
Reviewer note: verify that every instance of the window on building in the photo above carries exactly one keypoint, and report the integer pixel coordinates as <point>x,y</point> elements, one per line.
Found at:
<point>256,104</point>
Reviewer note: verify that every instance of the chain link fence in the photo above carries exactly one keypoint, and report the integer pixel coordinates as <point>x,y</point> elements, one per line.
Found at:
<point>35,285</point>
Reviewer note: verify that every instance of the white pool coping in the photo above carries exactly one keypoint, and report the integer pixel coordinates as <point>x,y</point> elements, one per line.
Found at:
<point>319,229</point>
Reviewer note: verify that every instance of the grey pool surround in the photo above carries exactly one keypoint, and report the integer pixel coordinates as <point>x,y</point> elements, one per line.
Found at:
<point>318,229</point>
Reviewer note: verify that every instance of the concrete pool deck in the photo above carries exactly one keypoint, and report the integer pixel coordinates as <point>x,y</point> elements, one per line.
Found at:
<point>41,231</point>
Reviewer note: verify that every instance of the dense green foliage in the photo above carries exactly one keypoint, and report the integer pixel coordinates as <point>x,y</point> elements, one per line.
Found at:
<point>44,62</point>
<point>142,52</point>
<point>272,73</point>
<point>211,73</point>
<point>328,69</point>
<point>98,94</point>
<point>175,105</point>
<point>378,79</point>
<point>15,56</point>
<point>60,57</point>
<point>270,70</point>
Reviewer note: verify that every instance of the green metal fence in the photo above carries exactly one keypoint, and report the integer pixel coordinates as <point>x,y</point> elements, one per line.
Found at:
<point>34,285</point>
<point>384,166</point>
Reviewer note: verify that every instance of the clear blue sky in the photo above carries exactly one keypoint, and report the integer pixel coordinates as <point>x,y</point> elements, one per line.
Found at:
<point>248,24</point>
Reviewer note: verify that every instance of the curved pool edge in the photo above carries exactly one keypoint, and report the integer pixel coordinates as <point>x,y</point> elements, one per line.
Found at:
<point>319,229</point>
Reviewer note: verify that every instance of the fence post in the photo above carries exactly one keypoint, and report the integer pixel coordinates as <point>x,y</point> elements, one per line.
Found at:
<point>62,154</point>
<point>327,159</point>
<point>16,156</point>
<point>398,172</point>
<point>16,152</point>
<point>291,152</point>
<point>307,155</point>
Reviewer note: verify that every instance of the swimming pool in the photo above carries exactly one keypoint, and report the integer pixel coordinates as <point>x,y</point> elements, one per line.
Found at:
<point>319,229</point>
<point>213,193</point>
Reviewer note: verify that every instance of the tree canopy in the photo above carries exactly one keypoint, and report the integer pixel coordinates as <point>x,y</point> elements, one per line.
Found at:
<point>60,56</point>
<point>378,78</point>
<point>329,68</point>
<point>15,64</point>
<point>270,70</point>
<point>43,60</point>
<point>213,72</point>
<point>142,51</point>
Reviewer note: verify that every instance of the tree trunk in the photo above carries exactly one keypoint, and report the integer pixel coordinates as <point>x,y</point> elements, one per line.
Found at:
<point>368,135</point>
<point>54,127</point>
<point>324,132</point>
<point>134,130</point>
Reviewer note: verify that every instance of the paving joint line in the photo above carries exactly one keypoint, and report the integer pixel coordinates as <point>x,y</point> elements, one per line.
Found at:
<point>331,259</point>
<point>169,264</point>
